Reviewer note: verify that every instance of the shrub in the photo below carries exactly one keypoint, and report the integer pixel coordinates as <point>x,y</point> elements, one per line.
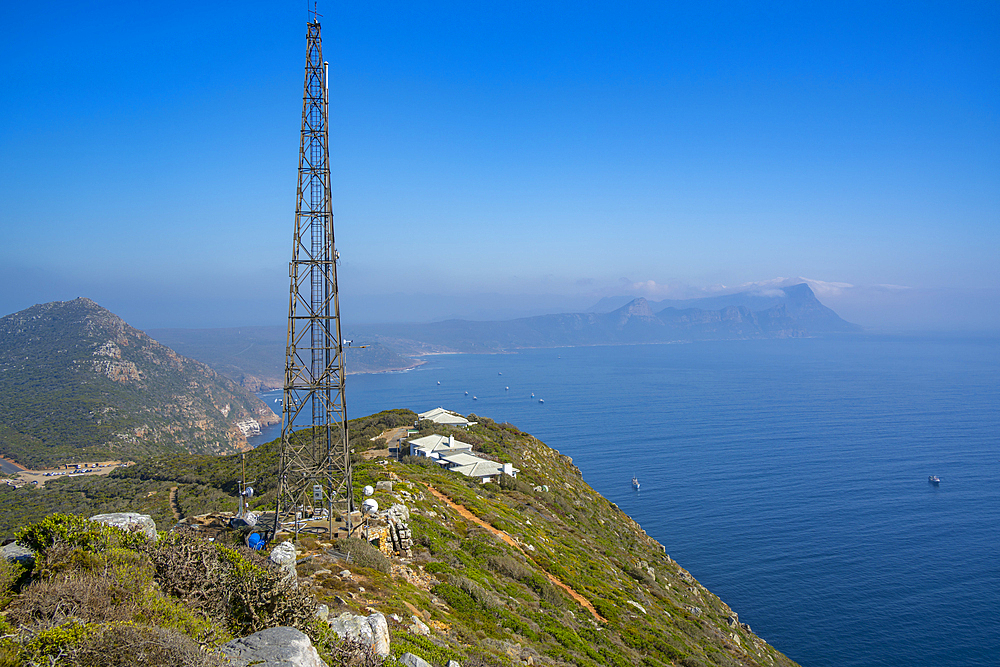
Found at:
<point>189,568</point>
<point>58,640</point>
<point>508,567</point>
<point>483,598</point>
<point>128,645</point>
<point>363,554</point>
<point>10,576</point>
<point>260,596</point>
<point>64,528</point>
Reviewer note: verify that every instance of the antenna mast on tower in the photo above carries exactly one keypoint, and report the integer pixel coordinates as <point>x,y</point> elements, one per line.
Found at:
<point>315,465</point>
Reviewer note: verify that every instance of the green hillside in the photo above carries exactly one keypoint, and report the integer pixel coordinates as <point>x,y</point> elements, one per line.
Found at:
<point>77,383</point>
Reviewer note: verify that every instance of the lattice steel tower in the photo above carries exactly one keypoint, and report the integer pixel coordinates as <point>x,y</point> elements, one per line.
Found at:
<point>315,465</point>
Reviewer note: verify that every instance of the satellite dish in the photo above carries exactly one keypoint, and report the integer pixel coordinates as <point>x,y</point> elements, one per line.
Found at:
<point>368,490</point>
<point>248,492</point>
<point>370,506</point>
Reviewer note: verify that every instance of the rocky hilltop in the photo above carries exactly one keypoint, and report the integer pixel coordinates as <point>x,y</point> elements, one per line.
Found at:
<point>78,383</point>
<point>534,570</point>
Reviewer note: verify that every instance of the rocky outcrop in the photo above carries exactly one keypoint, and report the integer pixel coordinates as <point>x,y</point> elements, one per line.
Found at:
<point>398,517</point>
<point>274,647</point>
<point>372,631</point>
<point>283,555</point>
<point>411,660</point>
<point>131,521</point>
<point>15,553</point>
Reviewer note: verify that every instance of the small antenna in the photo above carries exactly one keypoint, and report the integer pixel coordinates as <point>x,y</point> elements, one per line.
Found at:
<point>314,14</point>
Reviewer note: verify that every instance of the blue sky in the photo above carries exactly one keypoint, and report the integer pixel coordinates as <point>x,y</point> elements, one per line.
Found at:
<point>495,160</point>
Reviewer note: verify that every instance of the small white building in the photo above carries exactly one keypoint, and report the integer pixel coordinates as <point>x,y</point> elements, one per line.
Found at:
<point>438,446</point>
<point>486,471</point>
<point>442,416</point>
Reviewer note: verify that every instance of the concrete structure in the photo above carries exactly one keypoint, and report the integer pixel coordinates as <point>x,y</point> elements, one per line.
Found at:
<point>442,416</point>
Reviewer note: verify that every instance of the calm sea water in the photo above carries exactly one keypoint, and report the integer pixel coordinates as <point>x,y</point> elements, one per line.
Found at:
<point>789,477</point>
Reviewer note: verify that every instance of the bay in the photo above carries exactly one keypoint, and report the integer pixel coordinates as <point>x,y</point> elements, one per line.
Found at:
<point>789,476</point>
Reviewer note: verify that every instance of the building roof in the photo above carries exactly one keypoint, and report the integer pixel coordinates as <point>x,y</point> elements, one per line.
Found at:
<point>462,458</point>
<point>442,416</point>
<point>482,468</point>
<point>440,444</point>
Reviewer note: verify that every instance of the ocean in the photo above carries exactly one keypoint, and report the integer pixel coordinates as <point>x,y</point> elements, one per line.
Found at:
<point>790,477</point>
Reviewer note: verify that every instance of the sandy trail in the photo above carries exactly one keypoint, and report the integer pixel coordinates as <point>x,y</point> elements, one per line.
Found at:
<point>466,514</point>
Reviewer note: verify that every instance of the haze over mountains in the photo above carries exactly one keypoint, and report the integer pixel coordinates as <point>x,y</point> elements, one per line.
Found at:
<point>254,356</point>
<point>788,312</point>
<point>79,384</point>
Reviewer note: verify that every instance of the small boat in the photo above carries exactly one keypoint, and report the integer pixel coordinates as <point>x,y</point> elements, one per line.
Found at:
<point>934,479</point>
<point>532,394</point>
<point>466,393</point>
<point>506,388</point>
<point>499,373</point>
<point>541,400</point>
<point>475,398</point>
<point>439,381</point>
<point>635,482</point>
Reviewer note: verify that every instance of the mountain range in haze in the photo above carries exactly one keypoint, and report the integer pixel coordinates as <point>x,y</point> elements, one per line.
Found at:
<point>254,356</point>
<point>788,312</point>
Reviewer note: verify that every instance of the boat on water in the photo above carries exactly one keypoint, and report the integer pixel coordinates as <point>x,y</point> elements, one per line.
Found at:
<point>635,482</point>
<point>934,479</point>
<point>532,394</point>
<point>541,400</point>
<point>475,398</point>
<point>466,393</point>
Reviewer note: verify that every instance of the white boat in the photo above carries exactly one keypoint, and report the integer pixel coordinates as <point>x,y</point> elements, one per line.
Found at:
<point>635,482</point>
<point>934,479</point>
<point>541,400</point>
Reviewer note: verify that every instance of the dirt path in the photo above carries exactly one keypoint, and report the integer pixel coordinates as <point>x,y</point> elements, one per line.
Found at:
<point>466,514</point>
<point>174,506</point>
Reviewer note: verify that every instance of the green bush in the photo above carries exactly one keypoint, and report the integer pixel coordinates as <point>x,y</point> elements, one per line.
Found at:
<point>10,575</point>
<point>130,645</point>
<point>260,596</point>
<point>363,554</point>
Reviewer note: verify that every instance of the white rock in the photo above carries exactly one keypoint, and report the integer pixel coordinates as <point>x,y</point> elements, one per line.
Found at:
<point>129,521</point>
<point>274,647</point>
<point>418,627</point>
<point>350,626</point>
<point>411,660</point>
<point>283,555</point>
<point>399,513</point>
<point>636,605</point>
<point>380,635</point>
